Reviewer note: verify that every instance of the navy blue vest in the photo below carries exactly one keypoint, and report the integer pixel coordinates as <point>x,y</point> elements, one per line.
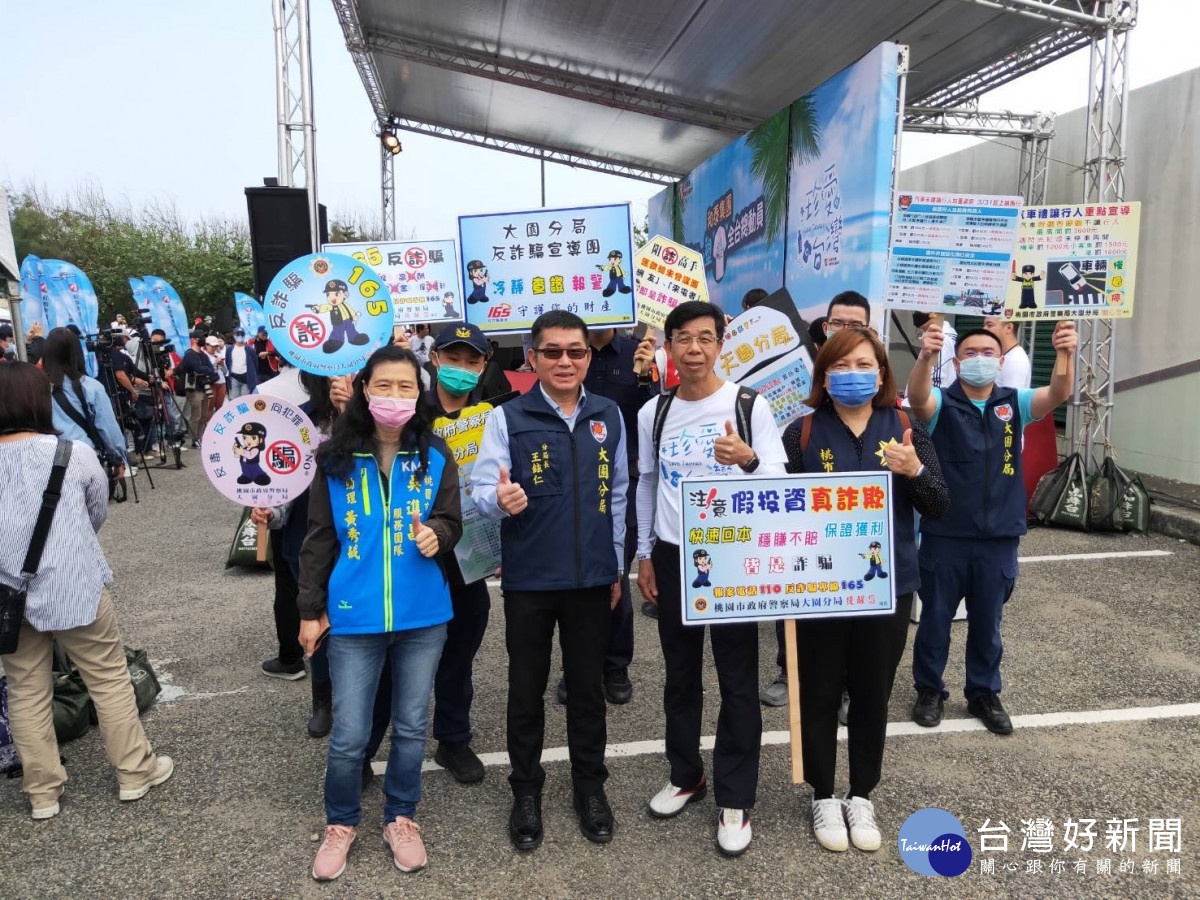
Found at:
<point>564,539</point>
<point>828,433</point>
<point>981,459</point>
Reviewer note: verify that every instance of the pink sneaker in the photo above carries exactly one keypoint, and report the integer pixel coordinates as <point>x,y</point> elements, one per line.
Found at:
<point>331,856</point>
<point>408,850</point>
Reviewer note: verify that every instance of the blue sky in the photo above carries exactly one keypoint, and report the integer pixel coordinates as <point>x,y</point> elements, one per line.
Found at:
<point>176,103</point>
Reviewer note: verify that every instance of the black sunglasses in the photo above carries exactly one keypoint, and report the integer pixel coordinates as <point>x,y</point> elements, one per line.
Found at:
<point>557,352</point>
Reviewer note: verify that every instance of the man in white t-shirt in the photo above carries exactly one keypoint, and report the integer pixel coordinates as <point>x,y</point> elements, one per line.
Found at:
<point>691,431</point>
<point>1015,369</point>
<point>421,343</point>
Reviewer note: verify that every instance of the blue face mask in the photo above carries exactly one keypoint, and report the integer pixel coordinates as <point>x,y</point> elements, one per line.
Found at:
<point>979,371</point>
<point>457,381</point>
<point>853,388</point>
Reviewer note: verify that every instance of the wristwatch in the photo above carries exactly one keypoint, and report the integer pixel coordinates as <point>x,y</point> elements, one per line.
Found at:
<point>751,466</point>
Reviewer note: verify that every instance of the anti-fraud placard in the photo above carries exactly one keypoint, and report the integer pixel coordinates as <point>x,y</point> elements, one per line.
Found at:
<point>518,265</point>
<point>327,313</point>
<point>421,277</point>
<point>666,274</point>
<point>258,450</point>
<point>1074,261</point>
<point>793,547</point>
<point>952,253</point>
<point>478,550</point>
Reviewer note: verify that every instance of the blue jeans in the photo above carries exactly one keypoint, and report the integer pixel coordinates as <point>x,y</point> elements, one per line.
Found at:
<point>355,663</point>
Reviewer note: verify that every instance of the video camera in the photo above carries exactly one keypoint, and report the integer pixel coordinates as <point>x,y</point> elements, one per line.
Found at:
<point>100,341</point>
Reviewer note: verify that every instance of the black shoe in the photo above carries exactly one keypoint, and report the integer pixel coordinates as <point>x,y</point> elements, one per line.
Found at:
<point>608,292</point>
<point>261,480</point>
<point>868,576</point>
<point>844,709</point>
<point>626,290</point>
<point>650,609</point>
<point>242,479</point>
<point>989,711</point>
<point>322,709</point>
<point>525,822</point>
<point>331,346</point>
<point>617,687</point>
<point>276,668</point>
<point>359,339</point>
<point>883,574</point>
<point>562,691</point>
<point>927,711</point>
<point>595,817</point>
<point>460,761</point>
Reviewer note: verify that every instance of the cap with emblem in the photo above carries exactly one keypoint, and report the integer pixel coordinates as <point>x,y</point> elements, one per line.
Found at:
<point>462,334</point>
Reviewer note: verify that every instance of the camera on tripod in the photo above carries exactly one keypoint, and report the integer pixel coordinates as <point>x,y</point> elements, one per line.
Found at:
<point>102,341</point>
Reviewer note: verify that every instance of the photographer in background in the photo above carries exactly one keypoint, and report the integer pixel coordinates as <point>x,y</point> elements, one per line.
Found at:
<point>81,409</point>
<point>264,351</point>
<point>165,361</point>
<point>197,374</point>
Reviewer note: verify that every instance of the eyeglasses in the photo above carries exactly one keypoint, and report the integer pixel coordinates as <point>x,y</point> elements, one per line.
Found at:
<point>687,340</point>
<point>838,324</point>
<point>557,352</point>
<point>986,354</point>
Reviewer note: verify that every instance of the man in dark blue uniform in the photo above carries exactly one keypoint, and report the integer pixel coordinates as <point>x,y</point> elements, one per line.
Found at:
<point>972,551</point>
<point>553,468</point>
<point>620,369</point>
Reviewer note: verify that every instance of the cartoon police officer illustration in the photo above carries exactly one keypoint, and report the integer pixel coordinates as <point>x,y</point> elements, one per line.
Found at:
<point>703,564</point>
<point>478,274</point>
<point>248,445</point>
<point>616,274</point>
<point>1028,276</point>
<point>876,558</point>
<point>341,317</point>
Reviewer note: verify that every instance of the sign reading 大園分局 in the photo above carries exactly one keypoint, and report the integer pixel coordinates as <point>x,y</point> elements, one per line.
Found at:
<point>259,450</point>
<point>786,547</point>
<point>420,277</point>
<point>518,265</point>
<point>327,313</point>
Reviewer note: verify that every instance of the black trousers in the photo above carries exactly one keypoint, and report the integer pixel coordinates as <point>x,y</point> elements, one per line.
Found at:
<point>582,617</point>
<point>620,629</point>
<point>287,614</point>
<point>453,686</point>
<point>856,653</point>
<point>739,723</point>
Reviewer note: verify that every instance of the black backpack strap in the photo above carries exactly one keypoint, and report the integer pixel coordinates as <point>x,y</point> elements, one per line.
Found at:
<point>805,433</point>
<point>665,399</point>
<point>83,419</point>
<point>41,529</point>
<point>744,409</point>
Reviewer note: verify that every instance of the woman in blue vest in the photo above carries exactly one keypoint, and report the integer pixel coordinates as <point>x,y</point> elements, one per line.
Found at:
<point>383,506</point>
<point>856,427</point>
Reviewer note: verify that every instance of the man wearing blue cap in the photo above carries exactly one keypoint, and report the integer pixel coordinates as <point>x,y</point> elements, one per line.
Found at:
<point>460,355</point>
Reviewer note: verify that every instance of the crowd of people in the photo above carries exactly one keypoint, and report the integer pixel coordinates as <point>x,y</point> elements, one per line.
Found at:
<point>369,591</point>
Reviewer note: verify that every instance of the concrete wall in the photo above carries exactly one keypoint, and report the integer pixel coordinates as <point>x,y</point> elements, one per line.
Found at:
<point>1156,427</point>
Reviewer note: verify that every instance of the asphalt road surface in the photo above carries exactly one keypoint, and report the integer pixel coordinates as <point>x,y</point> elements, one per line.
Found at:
<point>1102,676</point>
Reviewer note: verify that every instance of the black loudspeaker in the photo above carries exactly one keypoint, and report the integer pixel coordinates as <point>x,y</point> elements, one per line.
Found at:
<point>224,319</point>
<point>279,230</point>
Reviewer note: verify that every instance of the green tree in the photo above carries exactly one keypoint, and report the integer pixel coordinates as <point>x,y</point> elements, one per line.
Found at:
<point>206,261</point>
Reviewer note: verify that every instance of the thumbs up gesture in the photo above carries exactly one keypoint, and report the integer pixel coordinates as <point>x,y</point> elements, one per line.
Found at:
<point>426,537</point>
<point>510,496</point>
<point>730,449</point>
<point>902,458</point>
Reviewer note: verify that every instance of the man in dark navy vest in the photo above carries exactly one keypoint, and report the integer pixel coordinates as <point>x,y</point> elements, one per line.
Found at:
<point>553,468</point>
<point>619,369</point>
<point>972,551</point>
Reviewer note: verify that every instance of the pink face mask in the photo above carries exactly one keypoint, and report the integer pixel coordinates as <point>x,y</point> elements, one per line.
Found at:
<point>392,412</point>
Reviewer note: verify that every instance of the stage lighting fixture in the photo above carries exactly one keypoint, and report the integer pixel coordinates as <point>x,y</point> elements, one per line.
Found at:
<point>391,142</point>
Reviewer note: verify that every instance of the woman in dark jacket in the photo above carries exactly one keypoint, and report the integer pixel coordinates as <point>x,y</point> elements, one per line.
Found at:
<point>856,427</point>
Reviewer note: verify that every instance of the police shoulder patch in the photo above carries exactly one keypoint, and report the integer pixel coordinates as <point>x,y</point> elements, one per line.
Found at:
<point>1004,412</point>
<point>599,430</point>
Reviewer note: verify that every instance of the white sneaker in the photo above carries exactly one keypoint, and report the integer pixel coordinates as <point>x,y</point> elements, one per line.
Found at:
<point>829,825</point>
<point>860,817</point>
<point>733,832</point>
<point>671,800</point>
<point>163,770</point>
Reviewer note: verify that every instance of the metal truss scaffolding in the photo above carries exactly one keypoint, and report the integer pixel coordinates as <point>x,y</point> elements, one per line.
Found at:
<point>1103,180</point>
<point>294,104</point>
<point>387,190</point>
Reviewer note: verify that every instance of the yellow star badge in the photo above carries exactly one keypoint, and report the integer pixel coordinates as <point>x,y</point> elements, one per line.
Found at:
<point>882,451</point>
